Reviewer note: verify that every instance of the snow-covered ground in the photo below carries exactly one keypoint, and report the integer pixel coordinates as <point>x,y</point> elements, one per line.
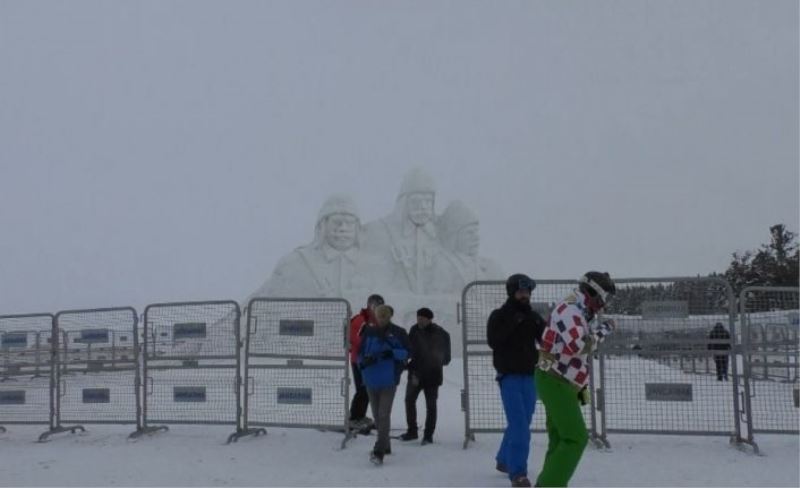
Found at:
<point>197,455</point>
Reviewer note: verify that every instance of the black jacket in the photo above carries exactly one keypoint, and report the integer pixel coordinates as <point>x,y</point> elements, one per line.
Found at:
<point>430,351</point>
<point>401,334</point>
<point>512,332</point>
<point>718,333</point>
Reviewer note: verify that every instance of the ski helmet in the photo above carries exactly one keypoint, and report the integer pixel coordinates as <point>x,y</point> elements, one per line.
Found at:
<point>598,286</point>
<point>519,281</point>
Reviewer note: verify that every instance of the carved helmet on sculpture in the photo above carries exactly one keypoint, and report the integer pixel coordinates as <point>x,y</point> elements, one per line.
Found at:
<point>336,204</point>
<point>416,181</point>
<point>454,218</point>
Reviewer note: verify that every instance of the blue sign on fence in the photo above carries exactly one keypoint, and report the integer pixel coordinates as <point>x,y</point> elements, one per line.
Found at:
<point>189,330</point>
<point>93,336</point>
<point>303,328</point>
<point>295,396</point>
<point>96,395</point>
<point>14,339</point>
<point>12,397</point>
<point>189,394</point>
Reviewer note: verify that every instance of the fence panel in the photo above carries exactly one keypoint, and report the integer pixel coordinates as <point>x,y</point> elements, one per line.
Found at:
<point>483,409</point>
<point>771,355</point>
<point>658,371</point>
<point>97,366</point>
<point>191,364</point>
<point>296,364</point>
<point>25,370</point>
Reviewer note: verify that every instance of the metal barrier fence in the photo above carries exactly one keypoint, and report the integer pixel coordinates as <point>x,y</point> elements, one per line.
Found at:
<point>655,374</point>
<point>296,364</point>
<point>96,358</point>
<point>480,399</point>
<point>668,368</point>
<point>771,356</point>
<point>26,396</point>
<point>645,381</point>
<point>191,365</point>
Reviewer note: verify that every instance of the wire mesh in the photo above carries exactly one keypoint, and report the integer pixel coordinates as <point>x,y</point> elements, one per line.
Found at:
<point>179,395</point>
<point>25,366</point>
<point>97,364</point>
<point>308,396</point>
<point>298,328</point>
<point>296,363</point>
<point>770,328</point>
<point>483,406</point>
<point>191,363</point>
<point>656,369</point>
<point>192,330</point>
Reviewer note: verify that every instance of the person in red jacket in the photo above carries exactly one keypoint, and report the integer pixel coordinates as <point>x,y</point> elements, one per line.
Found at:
<point>358,407</point>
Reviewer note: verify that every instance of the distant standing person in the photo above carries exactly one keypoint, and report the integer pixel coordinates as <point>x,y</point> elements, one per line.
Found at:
<point>430,352</point>
<point>717,335</point>
<point>563,373</point>
<point>381,356</point>
<point>512,331</point>
<point>358,407</point>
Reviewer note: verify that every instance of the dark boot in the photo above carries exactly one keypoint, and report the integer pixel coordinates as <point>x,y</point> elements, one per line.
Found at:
<point>521,480</point>
<point>410,435</point>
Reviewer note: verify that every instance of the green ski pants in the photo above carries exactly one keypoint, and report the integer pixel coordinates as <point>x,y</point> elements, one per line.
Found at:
<point>566,430</point>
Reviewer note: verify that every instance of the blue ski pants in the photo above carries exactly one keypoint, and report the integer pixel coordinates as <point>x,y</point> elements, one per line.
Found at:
<point>518,392</point>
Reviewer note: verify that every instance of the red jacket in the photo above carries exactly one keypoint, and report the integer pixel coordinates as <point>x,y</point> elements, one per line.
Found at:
<point>362,318</point>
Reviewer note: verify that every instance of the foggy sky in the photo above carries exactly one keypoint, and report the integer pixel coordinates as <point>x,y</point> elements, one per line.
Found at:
<point>175,150</point>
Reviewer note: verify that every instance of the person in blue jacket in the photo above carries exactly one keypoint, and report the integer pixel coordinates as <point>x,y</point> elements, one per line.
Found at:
<point>382,356</point>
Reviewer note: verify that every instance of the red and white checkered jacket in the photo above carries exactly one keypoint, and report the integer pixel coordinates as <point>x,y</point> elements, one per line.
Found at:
<point>568,340</point>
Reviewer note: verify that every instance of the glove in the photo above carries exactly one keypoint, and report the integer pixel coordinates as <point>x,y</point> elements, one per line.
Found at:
<point>610,324</point>
<point>546,360</point>
<point>387,354</point>
<point>583,396</point>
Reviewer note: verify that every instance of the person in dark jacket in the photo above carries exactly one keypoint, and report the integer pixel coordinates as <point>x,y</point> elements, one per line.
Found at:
<point>430,352</point>
<point>381,357</point>
<point>720,341</point>
<point>512,331</point>
<point>358,407</point>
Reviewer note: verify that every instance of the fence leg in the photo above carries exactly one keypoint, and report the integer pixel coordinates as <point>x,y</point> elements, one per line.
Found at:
<point>59,430</point>
<point>149,430</point>
<point>467,439</point>
<point>249,431</point>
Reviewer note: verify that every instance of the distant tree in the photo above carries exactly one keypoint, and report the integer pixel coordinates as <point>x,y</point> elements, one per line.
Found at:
<point>774,264</point>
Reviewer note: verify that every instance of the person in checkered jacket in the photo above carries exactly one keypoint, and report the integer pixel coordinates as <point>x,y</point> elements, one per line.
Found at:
<point>567,343</point>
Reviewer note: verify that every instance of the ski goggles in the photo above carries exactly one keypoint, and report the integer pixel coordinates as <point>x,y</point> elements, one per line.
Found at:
<point>597,292</point>
<point>526,284</point>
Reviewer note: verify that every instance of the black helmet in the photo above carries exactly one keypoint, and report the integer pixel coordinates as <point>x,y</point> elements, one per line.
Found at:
<point>519,281</point>
<point>597,284</point>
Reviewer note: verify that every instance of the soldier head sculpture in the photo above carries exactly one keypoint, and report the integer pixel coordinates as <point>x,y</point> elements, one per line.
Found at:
<point>418,197</point>
<point>458,229</point>
<point>338,223</point>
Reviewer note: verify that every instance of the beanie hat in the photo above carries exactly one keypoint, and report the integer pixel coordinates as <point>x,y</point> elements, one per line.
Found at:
<point>425,312</point>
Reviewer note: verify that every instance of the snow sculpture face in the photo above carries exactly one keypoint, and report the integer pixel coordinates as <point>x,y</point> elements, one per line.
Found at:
<point>419,207</point>
<point>340,231</point>
<point>468,240</point>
